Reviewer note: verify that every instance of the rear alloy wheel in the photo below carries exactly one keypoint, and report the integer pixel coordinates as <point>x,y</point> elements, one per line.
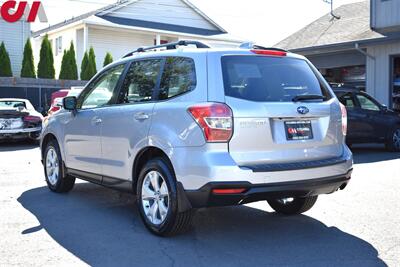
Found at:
<point>56,179</point>
<point>393,143</point>
<point>293,205</point>
<point>157,199</point>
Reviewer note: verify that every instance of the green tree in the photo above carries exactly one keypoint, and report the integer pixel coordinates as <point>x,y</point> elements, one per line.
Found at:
<point>72,62</point>
<point>108,59</point>
<point>46,63</point>
<point>28,65</point>
<point>91,67</point>
<point>84,65</point>
<point>5,63</point>
<point>65,67</point>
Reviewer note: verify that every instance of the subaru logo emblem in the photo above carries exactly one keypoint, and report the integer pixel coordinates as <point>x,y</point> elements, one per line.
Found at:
<point>303,110</point>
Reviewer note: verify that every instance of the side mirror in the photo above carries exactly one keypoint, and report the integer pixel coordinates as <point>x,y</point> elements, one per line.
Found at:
<point>384,108</point>
<point>70,103</point>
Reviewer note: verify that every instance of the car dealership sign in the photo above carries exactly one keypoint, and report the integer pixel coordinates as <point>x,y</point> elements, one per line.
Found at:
<point>13,11</point>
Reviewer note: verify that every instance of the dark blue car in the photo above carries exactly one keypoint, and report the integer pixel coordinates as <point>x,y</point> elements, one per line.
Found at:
<point>368,120</point>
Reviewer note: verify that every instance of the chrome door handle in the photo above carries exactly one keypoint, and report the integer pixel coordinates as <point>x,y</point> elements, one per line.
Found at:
<point>96,121</point>
<point>141,116</point>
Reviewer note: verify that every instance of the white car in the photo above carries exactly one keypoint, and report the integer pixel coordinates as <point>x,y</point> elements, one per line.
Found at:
<point>19,120</point>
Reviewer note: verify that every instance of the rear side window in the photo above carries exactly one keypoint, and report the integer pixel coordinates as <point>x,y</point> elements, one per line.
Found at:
<point>179,77</point>
<point>269,79</point>
<point>347,100</point>
<point>141,80</point>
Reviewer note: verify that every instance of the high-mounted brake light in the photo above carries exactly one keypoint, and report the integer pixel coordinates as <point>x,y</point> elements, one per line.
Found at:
<point>215,119</point>
<point>269,52</point>
<point>228,191</point>
<point>344,118</point>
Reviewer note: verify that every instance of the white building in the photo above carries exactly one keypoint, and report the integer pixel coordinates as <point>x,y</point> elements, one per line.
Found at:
<point>14,36</point>
<point>122,27</point>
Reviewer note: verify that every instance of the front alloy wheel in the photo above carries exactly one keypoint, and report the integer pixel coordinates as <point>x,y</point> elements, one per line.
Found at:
<point>56,178</point>
<point>52,166</point>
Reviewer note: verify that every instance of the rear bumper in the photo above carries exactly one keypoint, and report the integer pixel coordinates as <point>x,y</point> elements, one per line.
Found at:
<point>204,197</point>
<point>19,133</point>
<point>198,166</point>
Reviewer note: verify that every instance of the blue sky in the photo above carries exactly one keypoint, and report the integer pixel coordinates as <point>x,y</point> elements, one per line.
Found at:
<point>264,21</point>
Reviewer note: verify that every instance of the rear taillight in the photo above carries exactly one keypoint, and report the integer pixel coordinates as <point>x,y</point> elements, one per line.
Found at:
<point>269,52</point>
<point>32,119</point>
<point>344,119</point>
<point>215,119</point>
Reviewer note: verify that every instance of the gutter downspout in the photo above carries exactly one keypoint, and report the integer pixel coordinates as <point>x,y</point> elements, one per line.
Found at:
<point>357,47</point>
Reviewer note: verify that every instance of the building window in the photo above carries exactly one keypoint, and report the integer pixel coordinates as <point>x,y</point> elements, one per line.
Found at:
<point>59,47</point>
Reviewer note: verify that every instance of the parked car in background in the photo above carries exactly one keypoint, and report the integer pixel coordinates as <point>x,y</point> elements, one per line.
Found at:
<point>58,96</point>
<point>368,120</point>
<point>19,120</point>
<point>191,128</point>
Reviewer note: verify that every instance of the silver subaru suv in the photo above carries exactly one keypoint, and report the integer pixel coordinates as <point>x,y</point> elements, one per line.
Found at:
<point>184,126</point>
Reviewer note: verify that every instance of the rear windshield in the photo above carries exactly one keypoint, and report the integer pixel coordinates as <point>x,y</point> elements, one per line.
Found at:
<point>12,104</point>
<point>269,79</point>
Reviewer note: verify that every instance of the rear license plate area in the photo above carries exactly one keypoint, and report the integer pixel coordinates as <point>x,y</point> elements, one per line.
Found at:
<point>298,130</point>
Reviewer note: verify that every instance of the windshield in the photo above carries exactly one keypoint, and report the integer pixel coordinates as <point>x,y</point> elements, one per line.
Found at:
<point>270,79</point>
<point>12,104</point>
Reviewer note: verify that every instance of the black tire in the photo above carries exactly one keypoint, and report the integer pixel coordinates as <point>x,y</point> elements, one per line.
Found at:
<point>297,206</point>
<point>175,222</point>
<point>393,140</point>
<point>64,183</point>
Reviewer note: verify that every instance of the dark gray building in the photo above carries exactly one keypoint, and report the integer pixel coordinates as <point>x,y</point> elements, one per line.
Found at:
<point>361,48</point>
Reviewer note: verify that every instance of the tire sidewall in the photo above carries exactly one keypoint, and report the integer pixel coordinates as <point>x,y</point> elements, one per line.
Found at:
<point>53,145</point>
<point>159,165</point>
<point>390,142</point>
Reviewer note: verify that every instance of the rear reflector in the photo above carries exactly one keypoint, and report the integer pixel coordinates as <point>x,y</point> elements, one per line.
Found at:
<point>228,191</point>
<point>269,52</point>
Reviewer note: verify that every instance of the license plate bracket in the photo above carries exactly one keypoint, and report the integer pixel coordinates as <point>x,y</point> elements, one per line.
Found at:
<point>298,130</point>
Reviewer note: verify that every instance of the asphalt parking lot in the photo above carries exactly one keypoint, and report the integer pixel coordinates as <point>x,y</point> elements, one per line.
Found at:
<point>359,226</point>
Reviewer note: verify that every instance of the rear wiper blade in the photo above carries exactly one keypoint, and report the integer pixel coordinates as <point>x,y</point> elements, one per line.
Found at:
<point>308,97</point>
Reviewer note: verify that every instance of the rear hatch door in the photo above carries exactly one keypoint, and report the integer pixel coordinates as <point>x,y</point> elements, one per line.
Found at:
<point>270,124</point>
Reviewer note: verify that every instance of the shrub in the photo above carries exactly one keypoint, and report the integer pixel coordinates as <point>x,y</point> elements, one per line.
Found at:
<point>69,70</point>
<point>72,62</point>
<point>5,63</point>
<point>65,67</point>
<point>108,59</point>
<point>28,65</point>
<point>84,65</point>
<point>46,62</point>
<point>91,68</point>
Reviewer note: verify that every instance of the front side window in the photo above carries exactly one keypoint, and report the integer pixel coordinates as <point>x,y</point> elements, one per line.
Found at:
<point>141,80</point>
<point>366,103</point>
<point>103,89</point>
<point>269,79</point>
<point>179,77</point>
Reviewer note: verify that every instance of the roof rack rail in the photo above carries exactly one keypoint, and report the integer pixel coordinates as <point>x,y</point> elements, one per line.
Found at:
<point>251,45</point>
<point>169,46</point>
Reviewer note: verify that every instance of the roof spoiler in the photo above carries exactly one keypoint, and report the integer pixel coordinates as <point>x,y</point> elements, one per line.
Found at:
<point>251,45</point>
